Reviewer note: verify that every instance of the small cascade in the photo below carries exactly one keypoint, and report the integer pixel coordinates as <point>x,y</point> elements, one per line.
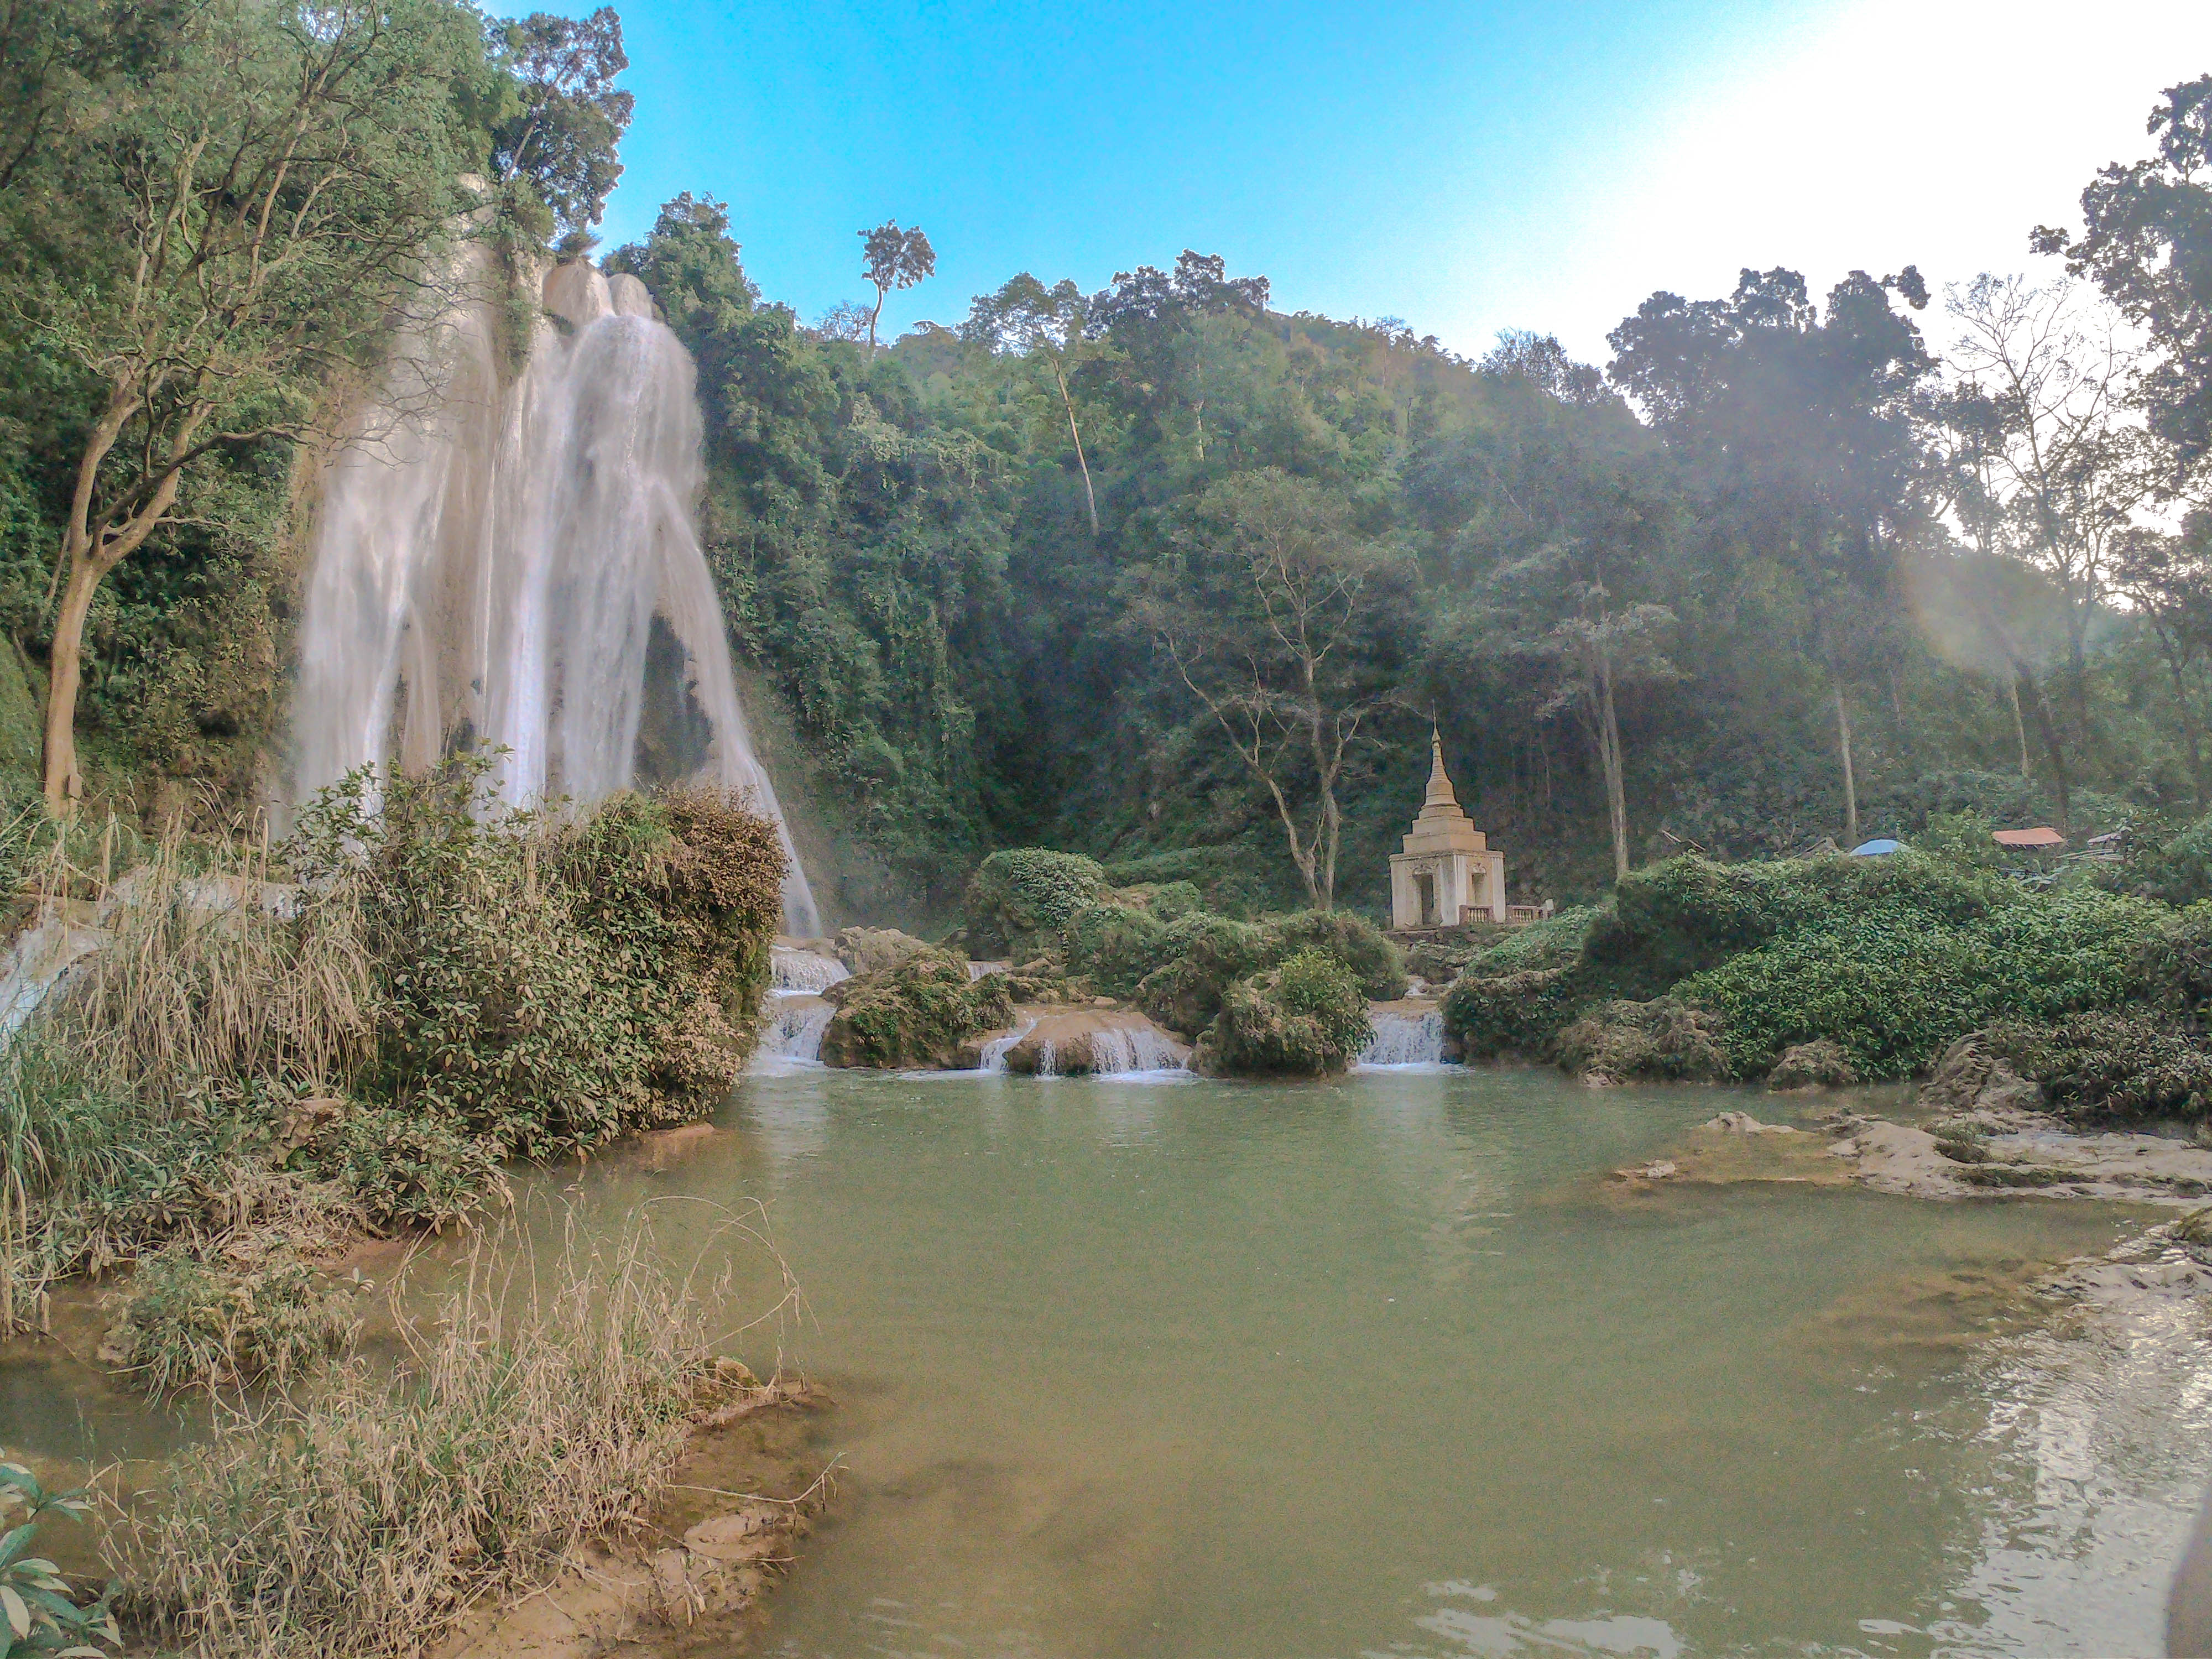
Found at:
<point>809,971</point>
<point>994,1051</point>
<point>978,970</point>
<point>1114,1049</point>
<point>792,1036</point>
<point>1402,1039</point>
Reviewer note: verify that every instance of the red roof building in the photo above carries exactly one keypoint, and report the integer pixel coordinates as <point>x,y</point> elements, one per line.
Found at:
<point>2041,839</point>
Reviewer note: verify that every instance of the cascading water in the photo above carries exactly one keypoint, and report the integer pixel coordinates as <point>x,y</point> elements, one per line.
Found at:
<point>1404,1039</point>
<point>515,566</point>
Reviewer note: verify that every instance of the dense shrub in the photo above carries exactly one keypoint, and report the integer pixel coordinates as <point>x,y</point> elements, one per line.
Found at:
<point>1304,1019</point>
<point>2110,1065</point>
<point>1892,986</point>
<point>1020,898</point>
<point>2175,868</point>
<point>1114,947</point>
<point>1889,957</point>
<point>1495,1015</point>
<point>446,984</point>
<point>547,983</point>
<point>915,1012</point>
<point>1204,955</point>
<point>1660,1041</point>
<point>1357,942</point>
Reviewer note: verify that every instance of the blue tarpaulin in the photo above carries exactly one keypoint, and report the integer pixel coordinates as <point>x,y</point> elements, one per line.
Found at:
<point>1874,850</point>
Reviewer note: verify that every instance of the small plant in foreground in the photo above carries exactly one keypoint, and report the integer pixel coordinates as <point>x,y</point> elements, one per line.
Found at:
<point>38,1614</point>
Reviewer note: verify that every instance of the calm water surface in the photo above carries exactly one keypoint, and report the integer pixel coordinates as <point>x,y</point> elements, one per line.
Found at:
<point>1383,1366</point>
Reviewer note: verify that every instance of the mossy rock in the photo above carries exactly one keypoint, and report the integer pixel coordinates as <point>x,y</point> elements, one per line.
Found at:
<point>1819,1064</point>
<point>1358,944</point>
<point>916,1012</point>
<point>1304,1019</point>
<point>1662,1041</point>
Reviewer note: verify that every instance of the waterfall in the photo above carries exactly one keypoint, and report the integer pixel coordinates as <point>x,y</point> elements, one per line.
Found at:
<point>794,970</point>
<point>994,1051</point>
<point>1114,1049</point>
<point>792,1034</point>
<point>513,564</point>
<point>1404,1039</point>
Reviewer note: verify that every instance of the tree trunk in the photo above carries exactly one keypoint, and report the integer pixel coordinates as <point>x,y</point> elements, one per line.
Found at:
<point>1616,796</point>
<point>63,786</point>
<point>2049,729</point>
<point>2192,735</point>
<point>2019,727</point>
<point>1851,783</point>
<point>1090,498</point>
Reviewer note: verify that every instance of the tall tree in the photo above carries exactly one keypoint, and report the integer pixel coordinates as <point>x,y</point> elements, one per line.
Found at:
<point>893,258</point>
<point>1049,325</point>
<point>2148,243</point>
<point>1278,619</point>
<point>269,181</point>
<point>2168,580</point>
<point>567,116</point>
<point>2046,383</point>
<point>1803,426</point>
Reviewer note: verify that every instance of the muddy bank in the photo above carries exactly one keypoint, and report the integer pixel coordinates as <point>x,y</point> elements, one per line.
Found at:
<point>693,1579</point>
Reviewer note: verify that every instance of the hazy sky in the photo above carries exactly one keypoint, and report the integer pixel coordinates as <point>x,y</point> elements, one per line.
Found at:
<point>1463,167</point>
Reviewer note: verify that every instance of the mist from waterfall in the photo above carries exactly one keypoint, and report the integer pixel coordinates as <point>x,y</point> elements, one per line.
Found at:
<point>515,566</point>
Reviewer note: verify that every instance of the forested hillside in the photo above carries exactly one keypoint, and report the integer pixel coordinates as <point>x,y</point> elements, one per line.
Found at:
<point>1162,573</point>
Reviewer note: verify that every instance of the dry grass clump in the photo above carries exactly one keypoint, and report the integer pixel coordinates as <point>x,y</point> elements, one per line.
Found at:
<point>363,1517</point>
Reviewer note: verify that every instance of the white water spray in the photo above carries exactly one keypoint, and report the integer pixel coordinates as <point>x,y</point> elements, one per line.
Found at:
<point>1404,1040</point>
<point>515,566</point>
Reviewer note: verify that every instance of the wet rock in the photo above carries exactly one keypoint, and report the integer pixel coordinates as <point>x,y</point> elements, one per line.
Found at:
<point>1657,1171</point>
<point>1083,1044</point>
<point>1744,1123</point>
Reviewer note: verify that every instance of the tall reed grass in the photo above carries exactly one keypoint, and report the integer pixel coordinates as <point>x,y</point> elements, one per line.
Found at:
<point>124,1099</point>
<point>360,1519</point>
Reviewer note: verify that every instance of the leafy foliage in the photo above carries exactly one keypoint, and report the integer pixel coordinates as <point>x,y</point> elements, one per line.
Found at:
<point>40,1614</point>
<point>1019,899</point>
<point>1304,1019</point>
<point>189,1324</point>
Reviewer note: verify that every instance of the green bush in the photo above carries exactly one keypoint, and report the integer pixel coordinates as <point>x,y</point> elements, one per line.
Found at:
<point>1020,898</point>
<point>2110,1065</point>
<point>1114,946</point>
<point>549,984</point>
<point>915,1012</point>
<point>2175,868</point>
<point>1304,1019</point>
<point>1894,986</point>
<point>1358,944</point>
<point>1966,839</point>
<point>1204,955</point>
<point>1497,1017</point>
<point>406,1170</point>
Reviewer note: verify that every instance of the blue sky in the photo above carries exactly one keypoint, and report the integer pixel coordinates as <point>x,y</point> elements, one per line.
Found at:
<point>1464,167</point>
